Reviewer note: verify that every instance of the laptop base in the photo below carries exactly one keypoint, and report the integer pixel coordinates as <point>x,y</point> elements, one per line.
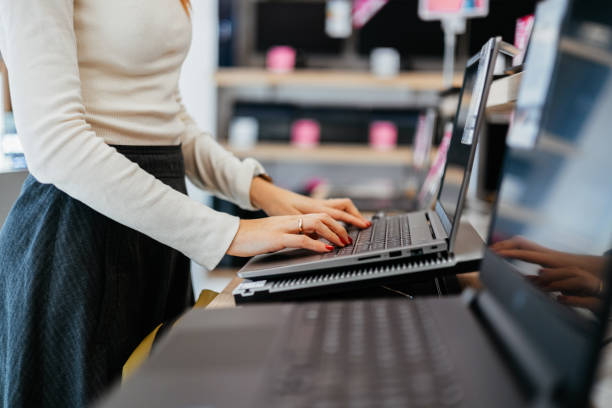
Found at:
<point>221,358</point>
<point>416,277</point>
<point>374,289</point>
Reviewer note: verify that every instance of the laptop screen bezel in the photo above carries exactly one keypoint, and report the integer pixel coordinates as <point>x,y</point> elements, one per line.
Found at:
<point>486,61</point>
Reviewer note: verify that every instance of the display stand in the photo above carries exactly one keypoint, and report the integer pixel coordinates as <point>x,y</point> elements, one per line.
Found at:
<point>453,15</point>
<point>452,27</point>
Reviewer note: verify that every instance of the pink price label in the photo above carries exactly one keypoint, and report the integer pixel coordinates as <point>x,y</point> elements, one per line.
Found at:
<point>432,180</point>
<point>524,28</point>
<point>444,9</point>
<point>449,6</point>
<point>364,10</point>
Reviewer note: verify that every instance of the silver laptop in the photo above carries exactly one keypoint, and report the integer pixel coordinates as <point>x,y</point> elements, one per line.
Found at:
<point>416,233</point>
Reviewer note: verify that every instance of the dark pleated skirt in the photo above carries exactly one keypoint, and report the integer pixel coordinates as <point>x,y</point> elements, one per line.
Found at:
<point>78,291</point>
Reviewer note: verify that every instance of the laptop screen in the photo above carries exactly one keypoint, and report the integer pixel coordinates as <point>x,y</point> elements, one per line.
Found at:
<point>540,64</point>
<point>460,150</point>
<point>551,238</point>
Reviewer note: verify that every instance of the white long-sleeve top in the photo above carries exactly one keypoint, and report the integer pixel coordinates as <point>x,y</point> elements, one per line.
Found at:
<point>86,74</point>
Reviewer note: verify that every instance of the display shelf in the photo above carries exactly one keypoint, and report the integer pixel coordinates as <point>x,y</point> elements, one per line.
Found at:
<point>503,94</point>
<point>501,101</point>
<point>334,154</point>
<point>250,77</point>
<point>5,169</point>
<point>321,88</point>
<point>6,166</point>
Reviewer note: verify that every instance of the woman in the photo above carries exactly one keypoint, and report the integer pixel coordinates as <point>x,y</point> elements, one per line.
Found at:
<point>94,253</point>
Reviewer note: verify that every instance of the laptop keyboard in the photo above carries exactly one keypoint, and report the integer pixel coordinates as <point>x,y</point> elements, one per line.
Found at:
<point>362,354</point>
<point>385,233</point>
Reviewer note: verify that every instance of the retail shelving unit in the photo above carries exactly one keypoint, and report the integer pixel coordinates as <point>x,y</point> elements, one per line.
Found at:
<point>503,94</point>
<point>329,88</point>
<point>249,77</point>
<point>330,154</point>
<point>502,99</point>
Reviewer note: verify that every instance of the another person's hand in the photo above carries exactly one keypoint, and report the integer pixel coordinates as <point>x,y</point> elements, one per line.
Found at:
<point>568,280</point>
<point>272,234</point>
<point>579,288</point>
<point>276,201</point>
<point>525,250</point>
<point>518,243</point>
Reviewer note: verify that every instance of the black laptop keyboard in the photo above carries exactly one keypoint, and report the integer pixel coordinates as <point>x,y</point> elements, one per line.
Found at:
<point>385,233</point>
<point>362,354</point>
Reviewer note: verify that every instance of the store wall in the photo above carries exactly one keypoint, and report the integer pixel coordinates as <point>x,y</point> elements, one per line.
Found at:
<point>197,88</point>
<point>10,185</point>
<point>196,84</point>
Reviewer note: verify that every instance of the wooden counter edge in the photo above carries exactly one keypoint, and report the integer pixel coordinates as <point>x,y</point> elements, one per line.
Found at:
<point>225,299</point>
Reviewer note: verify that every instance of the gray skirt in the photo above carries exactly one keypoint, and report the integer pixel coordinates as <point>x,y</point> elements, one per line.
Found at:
<point>79,291</point>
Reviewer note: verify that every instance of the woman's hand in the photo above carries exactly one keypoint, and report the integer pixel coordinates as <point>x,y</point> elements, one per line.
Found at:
<point>272,234</point>
<point>274,201</point>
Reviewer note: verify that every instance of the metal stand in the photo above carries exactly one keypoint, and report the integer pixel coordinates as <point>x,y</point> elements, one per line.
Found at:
<point>451,27</point>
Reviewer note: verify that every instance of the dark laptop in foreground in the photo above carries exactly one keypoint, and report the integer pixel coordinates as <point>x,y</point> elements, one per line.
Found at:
<point>516,343</point>
<point>531,337</point>
<point>410,234</point>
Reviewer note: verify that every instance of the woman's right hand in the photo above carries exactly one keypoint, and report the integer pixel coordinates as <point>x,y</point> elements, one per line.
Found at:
<point>272,234</point>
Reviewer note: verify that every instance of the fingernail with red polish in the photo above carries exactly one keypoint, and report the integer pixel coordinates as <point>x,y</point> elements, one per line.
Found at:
<point>350,240</point>
<point>329,247</point>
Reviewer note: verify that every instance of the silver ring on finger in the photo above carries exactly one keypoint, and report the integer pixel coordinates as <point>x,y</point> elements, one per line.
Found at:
<point>300,226</point>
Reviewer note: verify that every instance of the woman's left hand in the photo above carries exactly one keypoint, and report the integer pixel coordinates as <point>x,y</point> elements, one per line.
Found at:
<point>276,201</point>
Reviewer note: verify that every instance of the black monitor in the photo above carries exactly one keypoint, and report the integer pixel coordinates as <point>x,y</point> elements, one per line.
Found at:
<point>397,25</point>
<point>299,24</point>
<point>591,12</point>
<point>540,64</point>
<point>501,21</point>
<point>547,267</point>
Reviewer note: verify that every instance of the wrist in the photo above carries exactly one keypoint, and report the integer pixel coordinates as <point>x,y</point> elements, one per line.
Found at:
<point>260,189</point>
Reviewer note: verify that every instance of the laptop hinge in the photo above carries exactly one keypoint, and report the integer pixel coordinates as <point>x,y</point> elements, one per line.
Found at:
<point>508,49</point>
<point>533,370</point>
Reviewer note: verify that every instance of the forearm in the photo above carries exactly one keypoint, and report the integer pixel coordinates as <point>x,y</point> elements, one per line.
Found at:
<point>211,167</point>
<point>263,193</point>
